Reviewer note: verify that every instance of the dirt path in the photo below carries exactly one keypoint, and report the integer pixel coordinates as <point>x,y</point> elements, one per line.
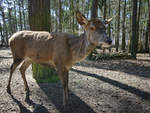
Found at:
<point>114,86</point>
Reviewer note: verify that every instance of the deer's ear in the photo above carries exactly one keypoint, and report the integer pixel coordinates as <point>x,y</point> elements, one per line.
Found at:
<point>108,21</point>
<point>81,18</point>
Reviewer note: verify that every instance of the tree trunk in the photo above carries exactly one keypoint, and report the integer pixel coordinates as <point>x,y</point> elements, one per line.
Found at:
<point>94,9</point>
<point>40,9</point>
<point>123,28</point>
<point>118,28</point>
<point>134,30</point>
<point>140,40</point>
<point>56,18</point>
<point>24,18</point>
<point>138,22</point>
<point>60,16</point>
<point>149,25</point>
<point>147,36</point>
<point>10,21</point>
<point>15,18</point>
<point>82,6</point>
<point>105,11</point>
<point>72,7</point>
<point>130,26</point>
<point>1,34</point>
<point>20,15</point>
<point>88,5</point>
<point>109,27</point>
<point>146,49</point>
<point>4,27</point>
<point>50,16</point>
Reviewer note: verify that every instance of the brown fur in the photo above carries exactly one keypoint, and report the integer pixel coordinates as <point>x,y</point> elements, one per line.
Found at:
<point>61,50</point>
<point>96,23</point>
<point>40,47</point>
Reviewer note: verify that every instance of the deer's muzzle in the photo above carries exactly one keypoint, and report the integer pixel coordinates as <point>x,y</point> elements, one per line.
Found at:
<point>109,41</point>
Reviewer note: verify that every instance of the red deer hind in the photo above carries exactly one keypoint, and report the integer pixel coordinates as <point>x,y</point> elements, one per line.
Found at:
<point>61,50</point>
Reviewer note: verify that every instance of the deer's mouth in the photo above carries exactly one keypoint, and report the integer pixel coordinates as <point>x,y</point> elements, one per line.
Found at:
<point>106,45</point>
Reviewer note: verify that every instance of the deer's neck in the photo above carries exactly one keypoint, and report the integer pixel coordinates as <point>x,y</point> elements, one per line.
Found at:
<point>81,47</point>
<point>91,46</point>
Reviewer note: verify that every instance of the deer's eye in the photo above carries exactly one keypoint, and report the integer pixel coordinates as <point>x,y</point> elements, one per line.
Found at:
<point>92,28</point>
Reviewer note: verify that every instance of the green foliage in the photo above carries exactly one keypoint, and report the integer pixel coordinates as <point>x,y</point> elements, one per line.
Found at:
<point>44,74</point>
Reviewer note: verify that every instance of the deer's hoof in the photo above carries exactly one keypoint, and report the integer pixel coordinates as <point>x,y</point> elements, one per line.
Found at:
<point>63,107</point>
<point>8,90</point>
<point>66,106</point>
<point>27,99</point>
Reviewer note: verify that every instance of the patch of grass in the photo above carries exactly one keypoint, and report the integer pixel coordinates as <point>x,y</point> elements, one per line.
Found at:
<point>51,79</point>
<point>44,74</point>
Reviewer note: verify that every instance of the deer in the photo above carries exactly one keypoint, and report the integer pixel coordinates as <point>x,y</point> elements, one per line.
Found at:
<point>57,49</point>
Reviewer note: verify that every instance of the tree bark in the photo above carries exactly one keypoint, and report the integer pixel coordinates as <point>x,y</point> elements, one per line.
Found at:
<point>105,9</point>
<point>10,21</point>
<point>109,27</point>
<point>72,7</point>
<point>50,16</point>
<point>39,9</point>
<point>149,25</point>
<point>24,17</point>
<point>1,34</point>
<point>130,26</point>
<point>88,5</point>
<point>147,36</point>
<point>138,22</point>
<point>134,30</point>
<point>20,15</point>
<point>57,18</point>
<point>4,27</point>
<point>123,28</point>
<point>60,16</point>
<point>15,17</point>
<point>118,28</point>
<point>94,9</point>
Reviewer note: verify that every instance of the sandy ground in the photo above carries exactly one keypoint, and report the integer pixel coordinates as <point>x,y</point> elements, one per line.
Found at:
<point>112,86</point>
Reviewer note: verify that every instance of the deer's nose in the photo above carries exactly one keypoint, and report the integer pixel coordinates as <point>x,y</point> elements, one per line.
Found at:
<point>109,41</point>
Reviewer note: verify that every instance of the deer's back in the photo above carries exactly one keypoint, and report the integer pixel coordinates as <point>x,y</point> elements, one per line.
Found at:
<point>42,47</point>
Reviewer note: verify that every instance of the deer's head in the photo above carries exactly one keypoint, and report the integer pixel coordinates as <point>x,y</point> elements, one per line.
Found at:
<point>95,30</point>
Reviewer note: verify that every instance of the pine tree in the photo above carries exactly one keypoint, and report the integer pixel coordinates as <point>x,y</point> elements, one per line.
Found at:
<point>134,29</point>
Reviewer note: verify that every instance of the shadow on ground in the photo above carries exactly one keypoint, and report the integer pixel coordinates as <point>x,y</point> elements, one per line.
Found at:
<point>54,93</point>
<point>133,90</point>
<point>3,57</point>
<point>37,107</point>
<point>126,66</point>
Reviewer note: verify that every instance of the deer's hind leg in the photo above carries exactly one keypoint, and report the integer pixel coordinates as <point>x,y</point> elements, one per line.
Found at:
<point>16,62</point>
<point>22,69</point>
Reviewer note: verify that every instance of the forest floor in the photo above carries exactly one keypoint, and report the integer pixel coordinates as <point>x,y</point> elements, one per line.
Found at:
<point>112,86</point>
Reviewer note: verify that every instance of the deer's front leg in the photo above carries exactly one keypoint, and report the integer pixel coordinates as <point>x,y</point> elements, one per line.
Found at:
<point>63,74</point>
